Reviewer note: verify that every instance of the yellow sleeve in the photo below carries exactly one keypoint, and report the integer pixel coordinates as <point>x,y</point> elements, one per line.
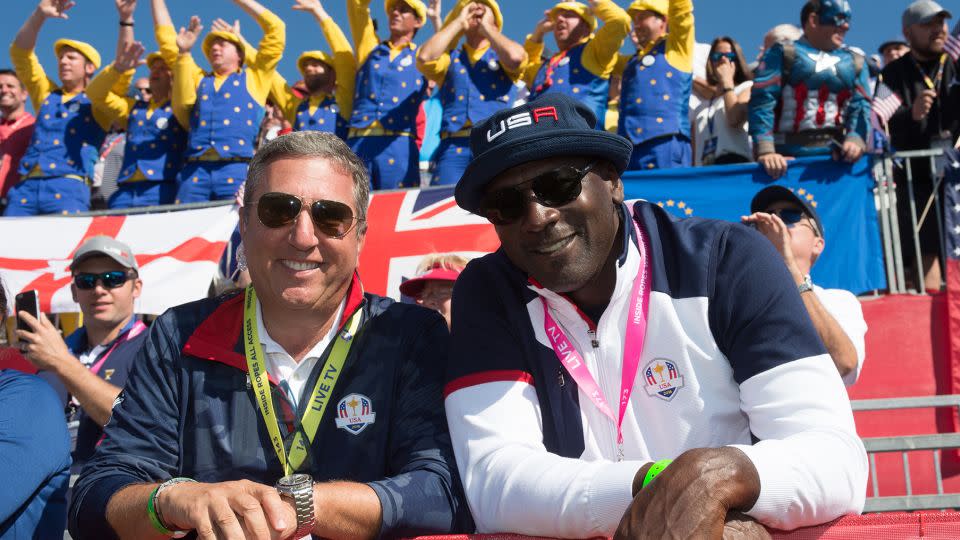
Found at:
<point>345,64</point>
<point>621,64</point>
<point>600,53</point>
<point>260,71</point>
<point>361,27</point>
<point>681,39</point>
<point>32,75</point>
<point>186,77</point>
<point>532,66</point>
<point>108,104</point>
<point>249,52</point>
<point>166,37</point>
<point>435,70</point>
<point>283,96</point>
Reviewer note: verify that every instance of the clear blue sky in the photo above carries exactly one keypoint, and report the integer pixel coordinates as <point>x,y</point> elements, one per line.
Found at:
<point>95,21</point>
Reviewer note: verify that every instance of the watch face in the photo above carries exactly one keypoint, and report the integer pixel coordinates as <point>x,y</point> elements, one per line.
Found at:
<point>294,480</point>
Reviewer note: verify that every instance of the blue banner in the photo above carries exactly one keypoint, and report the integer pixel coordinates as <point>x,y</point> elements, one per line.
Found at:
<point>842,193</point>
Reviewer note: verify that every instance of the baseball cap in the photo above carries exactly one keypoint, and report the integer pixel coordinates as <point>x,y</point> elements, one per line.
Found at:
<point>889,43</point>
<point>105,246</point>
<point>771,194</point>
<point>413,287</point>
<point>554,124</point>
<point>922,11</point>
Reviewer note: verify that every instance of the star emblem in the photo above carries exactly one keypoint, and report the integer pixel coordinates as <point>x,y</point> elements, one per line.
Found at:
<point>956,229</point>
<point>956,251</point>
<point>824,61</point>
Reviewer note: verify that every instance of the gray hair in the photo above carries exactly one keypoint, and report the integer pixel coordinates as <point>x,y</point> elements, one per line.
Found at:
<point>313,144</point>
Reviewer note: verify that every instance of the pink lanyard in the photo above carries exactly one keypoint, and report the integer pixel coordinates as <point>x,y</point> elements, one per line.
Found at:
<point>632,349</point>
<point>132,333</point>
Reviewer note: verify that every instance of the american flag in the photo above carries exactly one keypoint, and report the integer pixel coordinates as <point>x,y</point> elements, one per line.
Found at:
<point>885,103</point>
<point>951,235</point>
<point>952,46</point>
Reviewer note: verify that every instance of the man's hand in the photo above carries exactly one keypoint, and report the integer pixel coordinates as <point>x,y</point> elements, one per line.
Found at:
<point>776,231</point>
<point>692,496</point>
<point>187,37</point>
<point>849,152</point>
<point>228,510</point>
<point>544,26</point>
<point>922,104</point>
<point>42,345</point>
<point>774,163</point>
<point>486,20</point>
<point>312,6</point>
<point>221,25</point>
<point>434,8</point>
<point>129,58</point>
<point>55,9</point>
<point>742,527</point>
<point>125,9</point>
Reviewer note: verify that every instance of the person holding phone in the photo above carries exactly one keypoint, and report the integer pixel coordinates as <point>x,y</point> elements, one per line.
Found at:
<point>90,367</point>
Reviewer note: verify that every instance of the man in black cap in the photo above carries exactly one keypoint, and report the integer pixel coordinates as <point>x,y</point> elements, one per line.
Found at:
<point>792,225</point>
<point>90,367</point>
<point>892,49</point>
<point>602,341</point>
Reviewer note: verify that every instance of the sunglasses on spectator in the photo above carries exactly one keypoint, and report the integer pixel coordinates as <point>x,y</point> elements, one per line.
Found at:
<point>717,56</point>
<point>553,188</point>
<point>110,280</point>
<point>836,20</point>
<point>791,218</point>
<point>332,218</point>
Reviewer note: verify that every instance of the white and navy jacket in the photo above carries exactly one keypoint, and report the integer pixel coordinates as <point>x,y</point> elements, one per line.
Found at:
<point>741,365</point>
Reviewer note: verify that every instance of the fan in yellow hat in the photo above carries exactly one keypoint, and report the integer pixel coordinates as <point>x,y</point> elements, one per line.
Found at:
<point>660,7</point>
<point>213,36</point>
<point>582,10</point>
<point>320,56</point>
<point>418,7</point>
<point>461,4</point>
<point>85,49</point>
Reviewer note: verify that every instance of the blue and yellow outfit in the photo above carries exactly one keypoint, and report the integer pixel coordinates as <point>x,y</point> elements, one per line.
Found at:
<point>225,113</point>
<point>582,71</point>
<point>389,91</point>
<point>321,112</point>
<point>68,127</point>
<point>156,139</point>
<point>655,90</point>
<point>472,85</point>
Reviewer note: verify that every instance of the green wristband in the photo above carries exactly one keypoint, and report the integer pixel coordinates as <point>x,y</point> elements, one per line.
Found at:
<point>655,470</point>
<point>154,518</point>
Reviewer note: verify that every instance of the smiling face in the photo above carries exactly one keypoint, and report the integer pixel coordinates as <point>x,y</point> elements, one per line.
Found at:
<point>648,25</point>
<point>102,307</point>
<point>12,94</point>
<point>296,267</point>
<point>563,248</point>
<point>826,37</point>
<point>73,68</point>
<point>403,19</point>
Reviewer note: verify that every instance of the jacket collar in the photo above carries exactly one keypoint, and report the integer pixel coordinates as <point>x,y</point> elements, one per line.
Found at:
<point>77,341</point>
<point>218,337</point>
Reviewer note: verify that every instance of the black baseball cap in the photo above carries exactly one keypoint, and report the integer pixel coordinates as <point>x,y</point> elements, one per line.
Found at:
<point>554,124</point>
<point>775,193</point>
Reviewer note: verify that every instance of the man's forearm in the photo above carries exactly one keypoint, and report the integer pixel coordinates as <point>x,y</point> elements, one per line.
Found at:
<point>27,35</point>
<point>511,54</point>
<point>251,7</point>
<point>127,512</point>
<point>346,510</point>
<point>437,45</point>
<point>838,344</point>
<point>95,395</point>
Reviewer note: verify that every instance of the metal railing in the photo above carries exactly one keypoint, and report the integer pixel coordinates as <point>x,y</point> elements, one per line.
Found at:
<point>909,443</point>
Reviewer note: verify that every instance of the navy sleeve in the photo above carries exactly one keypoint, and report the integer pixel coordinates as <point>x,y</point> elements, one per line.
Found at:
<point>423,494</point>
<point>756,314</point>
<point>141,440</point>
<point>34,454</point>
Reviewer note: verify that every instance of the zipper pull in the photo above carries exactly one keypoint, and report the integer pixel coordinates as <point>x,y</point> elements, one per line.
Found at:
<point>593,338</point>
<point>560,378</point>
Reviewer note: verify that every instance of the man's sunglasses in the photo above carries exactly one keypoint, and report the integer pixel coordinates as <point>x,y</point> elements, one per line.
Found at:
<point>110,280</point>
<point>553,188</point>
<point>332,218</point>
<point>717,56</point>
<point>791,218</point>
<point>835,20</point>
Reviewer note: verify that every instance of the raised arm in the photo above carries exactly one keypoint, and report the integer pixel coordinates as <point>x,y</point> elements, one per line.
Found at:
<point>270,49</point>
<point>600,54</point>
<point>433,58</point>
<point>186,73</point>
<point>104,90</point>
<point>344,62</point>
<point>434,8</point>
<point>125,37</point>
<point>510,53</point>
<point>533,46</point>
<point>681,38</point>
<point>164,32</point>
<point>25,61</point>
<point>361,28</point>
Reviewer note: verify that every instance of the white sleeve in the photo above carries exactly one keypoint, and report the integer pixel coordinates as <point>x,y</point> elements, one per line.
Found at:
<point>844,307</point>
<point>513,484</point>
<point>812,464</point>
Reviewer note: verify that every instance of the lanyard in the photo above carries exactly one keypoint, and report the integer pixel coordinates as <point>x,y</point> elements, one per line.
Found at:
<point>633,347</point>
<point>260,385</point>
<point>935,83</point>
<point>548,75</point>
<point>132,333</point>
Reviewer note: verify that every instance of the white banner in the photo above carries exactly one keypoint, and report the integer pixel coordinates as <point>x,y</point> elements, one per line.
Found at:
<point>178,254</point>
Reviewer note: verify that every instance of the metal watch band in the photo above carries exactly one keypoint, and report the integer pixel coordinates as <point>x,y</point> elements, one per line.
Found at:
<point>156,507</point>
<point>302,495</point>
<point>806,285</point>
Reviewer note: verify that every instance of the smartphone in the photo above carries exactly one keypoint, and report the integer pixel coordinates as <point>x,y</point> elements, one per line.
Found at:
<point>28,301</point>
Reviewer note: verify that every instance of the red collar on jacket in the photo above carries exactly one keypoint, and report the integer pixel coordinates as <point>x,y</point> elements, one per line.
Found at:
<point>217,337</point>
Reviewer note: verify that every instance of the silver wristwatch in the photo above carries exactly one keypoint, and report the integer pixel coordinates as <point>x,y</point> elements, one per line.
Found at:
<point>299,487</point>
<point>805,285</point>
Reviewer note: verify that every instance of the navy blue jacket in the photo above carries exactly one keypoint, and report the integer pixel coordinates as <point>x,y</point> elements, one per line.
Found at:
<point>187,410</point>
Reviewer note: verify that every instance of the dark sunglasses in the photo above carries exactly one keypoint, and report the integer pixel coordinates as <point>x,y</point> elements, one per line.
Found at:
<point>716,56</point>
<point>553,188</point>
<point>791,218</point>
<point>111,280</point>
<point>332,218</point>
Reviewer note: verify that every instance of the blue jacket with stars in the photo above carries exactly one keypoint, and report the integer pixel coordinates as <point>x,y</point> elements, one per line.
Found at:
<point>155,144</point>
<point>62,131</point>
<point>188,410</point>
<point>821,91</point>
<point>472,92</point>
<point>388,90</point>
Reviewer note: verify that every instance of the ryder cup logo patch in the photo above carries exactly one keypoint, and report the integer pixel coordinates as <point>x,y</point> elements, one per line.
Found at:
<point>662,379</point>
<point>355,413</point>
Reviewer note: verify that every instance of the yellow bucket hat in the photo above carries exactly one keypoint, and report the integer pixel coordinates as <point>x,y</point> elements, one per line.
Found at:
<point>658,6</point>
<point>458,7</point>
<point>418,7</point>
<point>228,36</point>
<point>85,49</point>
<point>314,55</point>
<point>582,10</point>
